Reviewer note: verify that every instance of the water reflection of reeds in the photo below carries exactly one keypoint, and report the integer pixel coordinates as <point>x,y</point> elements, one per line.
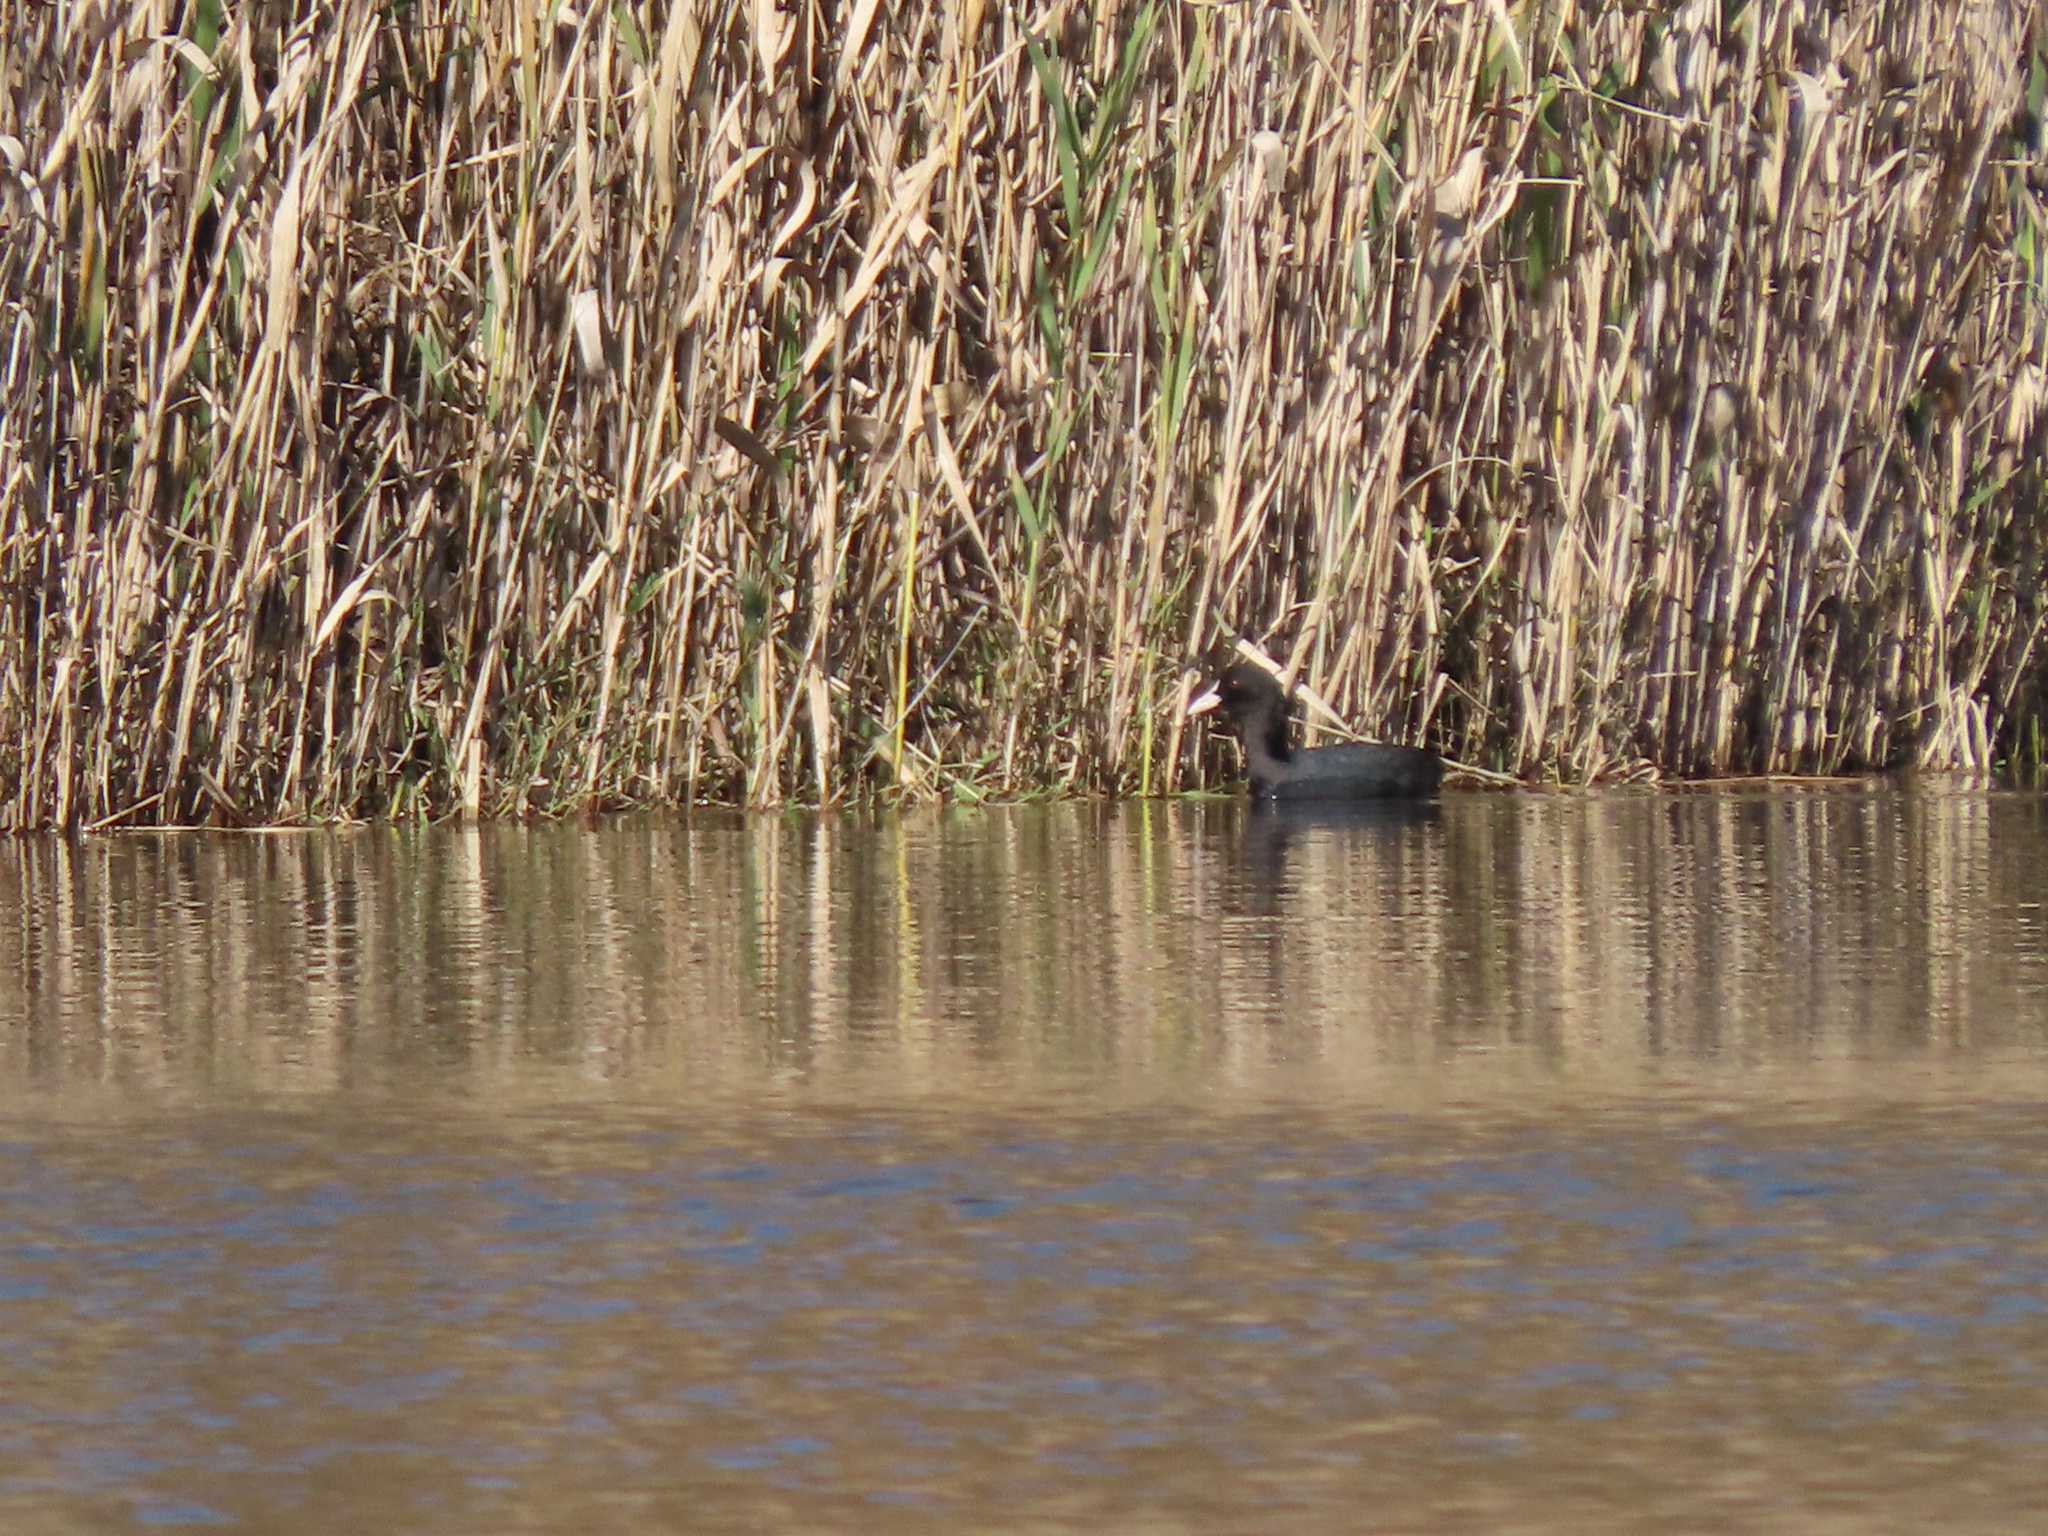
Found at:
<point>1794,942</point>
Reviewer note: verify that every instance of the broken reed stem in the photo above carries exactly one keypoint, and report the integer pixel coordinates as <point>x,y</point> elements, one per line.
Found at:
<point>905,592</point>
<point>461,407</point>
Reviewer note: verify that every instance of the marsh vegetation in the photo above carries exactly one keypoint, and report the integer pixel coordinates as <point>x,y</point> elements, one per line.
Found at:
<point>419,407</point>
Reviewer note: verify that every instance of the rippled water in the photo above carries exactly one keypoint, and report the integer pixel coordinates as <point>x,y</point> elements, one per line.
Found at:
<point>1539,1163</point>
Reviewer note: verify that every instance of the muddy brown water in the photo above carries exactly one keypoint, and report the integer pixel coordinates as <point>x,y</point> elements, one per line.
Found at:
<point>1591,1163</point>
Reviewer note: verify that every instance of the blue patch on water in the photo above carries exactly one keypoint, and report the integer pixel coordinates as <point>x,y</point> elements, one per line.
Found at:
<point>1469,1239</point>
<point>1775,1178</point>
<point>766,1455</point>
<point>871,1183</point>
<point>898,1498</point>
<point>983,1207</point>
<point>149,1260</point>
<point>286,1338</point>
<point>722,1253</point>
<point>1744,1250</point>
<point>1972,1255</point>
<point>1884,1395</point>
<point>1766,1334</point>
<point>558,1216</point>
<point>2015,1306</point>
<point>580,1309</point>
<point>174,1514</point>
<point>384,1394</point>
<point>747,1173</point>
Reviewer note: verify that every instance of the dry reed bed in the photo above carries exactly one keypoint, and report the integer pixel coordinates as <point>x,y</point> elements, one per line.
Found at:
<point>495,406</point>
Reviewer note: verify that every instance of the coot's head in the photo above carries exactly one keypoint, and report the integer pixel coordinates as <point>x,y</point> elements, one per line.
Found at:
<point>1251,699</point>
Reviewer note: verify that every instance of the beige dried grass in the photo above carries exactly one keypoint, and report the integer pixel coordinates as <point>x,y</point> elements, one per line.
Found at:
<point>493,407</point>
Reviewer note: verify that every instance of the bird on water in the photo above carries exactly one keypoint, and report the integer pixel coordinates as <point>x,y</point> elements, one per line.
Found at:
<point>1257,709</point>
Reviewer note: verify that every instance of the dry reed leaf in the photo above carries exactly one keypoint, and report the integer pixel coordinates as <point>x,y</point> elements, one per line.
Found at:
<point>853,51</point>
<point>773,34</point>
<point>587,324</point>
<point>2028,392</point>
<point>282,256</point>
<point>716,253</point>
<point>1269,156</point>
<point>802,205</point>
<point>667,98</point>
<point>352,596</point>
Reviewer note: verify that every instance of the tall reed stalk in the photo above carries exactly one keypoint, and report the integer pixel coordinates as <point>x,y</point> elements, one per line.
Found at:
<point>504,405</point>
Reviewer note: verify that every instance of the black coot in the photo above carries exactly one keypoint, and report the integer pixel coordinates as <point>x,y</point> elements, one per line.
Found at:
<point>1257,709</point>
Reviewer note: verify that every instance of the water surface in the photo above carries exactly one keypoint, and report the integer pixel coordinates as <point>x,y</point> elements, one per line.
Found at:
<point>1539,1163</point>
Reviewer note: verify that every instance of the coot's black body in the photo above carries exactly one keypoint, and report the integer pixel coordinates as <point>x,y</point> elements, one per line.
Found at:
<point>1257,710</point>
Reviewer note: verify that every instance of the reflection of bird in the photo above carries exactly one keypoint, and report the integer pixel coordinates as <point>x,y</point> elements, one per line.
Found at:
<point>1257,710</point>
